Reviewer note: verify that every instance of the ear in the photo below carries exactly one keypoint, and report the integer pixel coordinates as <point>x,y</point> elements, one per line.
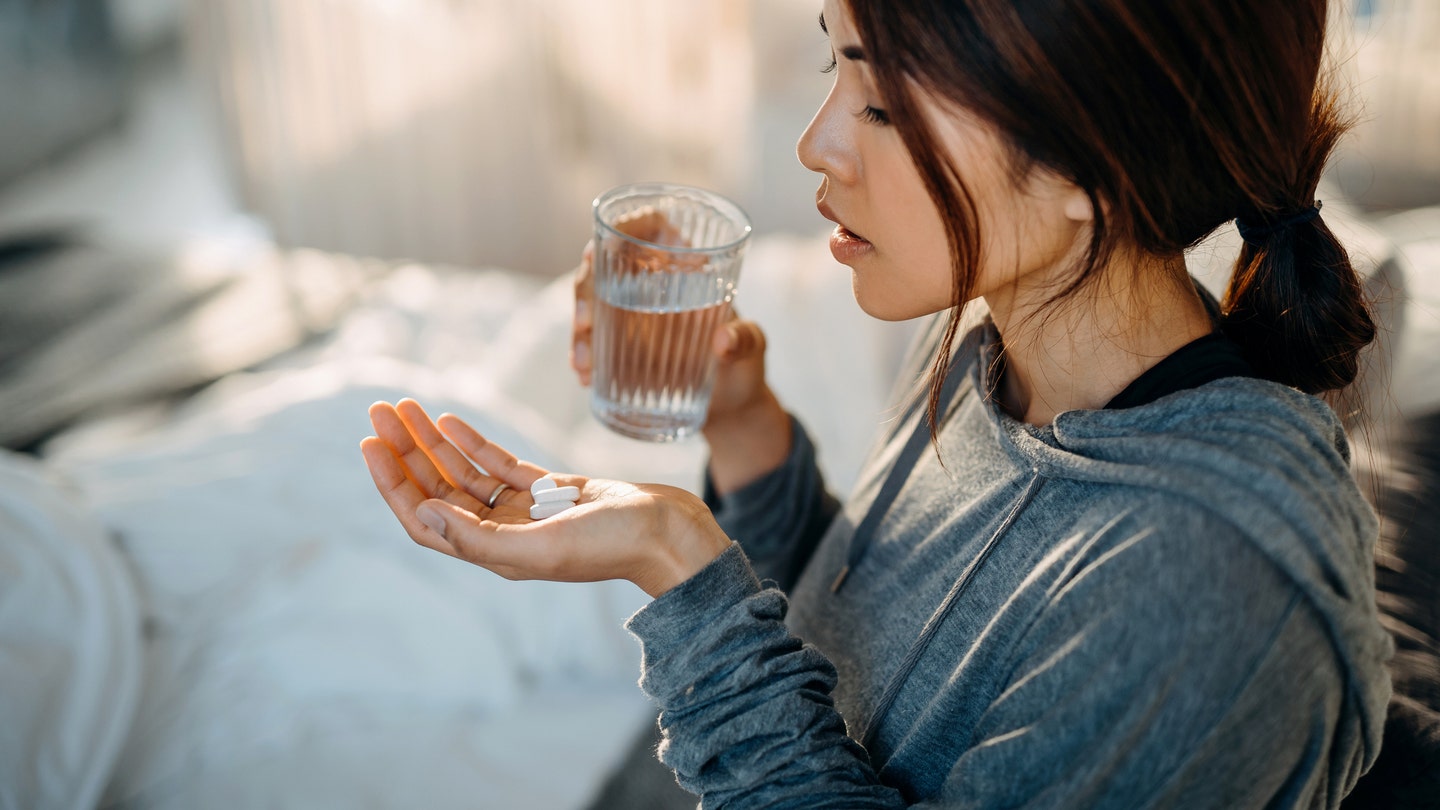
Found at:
<point>1062,196</point>
<point>1077,205</point>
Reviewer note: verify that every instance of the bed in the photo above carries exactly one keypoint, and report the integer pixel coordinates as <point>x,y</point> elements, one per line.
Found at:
<point>204,603</point>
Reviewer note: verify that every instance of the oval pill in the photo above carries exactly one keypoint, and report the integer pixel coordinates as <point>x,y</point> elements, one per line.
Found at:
<point>540,511</point>
<point>542,484</point>
<point>571,494</point>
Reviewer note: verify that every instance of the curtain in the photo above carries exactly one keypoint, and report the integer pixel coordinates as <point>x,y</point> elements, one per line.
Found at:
<point>469,131</point>
<point>1390,56</point>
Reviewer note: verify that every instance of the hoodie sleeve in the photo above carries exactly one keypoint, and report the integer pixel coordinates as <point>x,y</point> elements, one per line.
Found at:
<point>779,518</point>
<point>746,713</point>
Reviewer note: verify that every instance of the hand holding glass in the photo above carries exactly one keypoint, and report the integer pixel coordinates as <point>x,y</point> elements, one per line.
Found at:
<point>666,268</point>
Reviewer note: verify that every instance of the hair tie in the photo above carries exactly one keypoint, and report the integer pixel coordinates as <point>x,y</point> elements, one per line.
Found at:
<point>1257,233</point>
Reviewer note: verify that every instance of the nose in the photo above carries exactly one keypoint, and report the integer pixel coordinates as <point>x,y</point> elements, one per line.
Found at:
<point>827,145</point>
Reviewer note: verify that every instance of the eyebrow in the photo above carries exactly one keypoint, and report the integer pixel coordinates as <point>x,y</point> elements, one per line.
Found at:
<point>851,52</point>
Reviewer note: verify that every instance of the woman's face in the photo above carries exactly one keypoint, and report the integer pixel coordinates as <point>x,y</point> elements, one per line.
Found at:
<point>889,231</point>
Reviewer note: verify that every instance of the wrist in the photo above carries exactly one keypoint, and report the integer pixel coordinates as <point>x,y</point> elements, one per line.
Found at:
<point>692,540</point>
<point>746,444</point>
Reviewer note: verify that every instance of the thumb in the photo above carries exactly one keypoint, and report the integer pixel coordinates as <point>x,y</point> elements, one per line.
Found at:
<point>739,340</point>
<point>459,529</point>
<point>432,517</point>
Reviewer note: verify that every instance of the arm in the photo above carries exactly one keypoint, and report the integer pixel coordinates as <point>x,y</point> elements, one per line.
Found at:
<point>1165,658</point>
<point>745,706</point>
<point>709,607</point>
<point>1167,671</point>
<point>780,517</point>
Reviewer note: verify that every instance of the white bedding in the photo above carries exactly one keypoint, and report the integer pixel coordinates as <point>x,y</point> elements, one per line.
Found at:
<point>299,651</point>
<point>70,659</point>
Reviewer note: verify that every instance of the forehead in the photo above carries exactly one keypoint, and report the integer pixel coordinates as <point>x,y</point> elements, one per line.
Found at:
<point>835,18</point>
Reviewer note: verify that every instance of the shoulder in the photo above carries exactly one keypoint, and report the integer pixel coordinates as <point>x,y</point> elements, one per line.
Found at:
<point>1165,646</point>
<point>1271,461</point>
<point>1173,603</point>
<point>1172,558</point>
<point>1164,592</point>
<point>1239,417</point>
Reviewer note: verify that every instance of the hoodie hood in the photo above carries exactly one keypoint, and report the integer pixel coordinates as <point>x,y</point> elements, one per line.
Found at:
<point>1272,461</point>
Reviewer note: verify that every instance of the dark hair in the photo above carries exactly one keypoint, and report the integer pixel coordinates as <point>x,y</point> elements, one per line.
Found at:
<point>1173,117</point>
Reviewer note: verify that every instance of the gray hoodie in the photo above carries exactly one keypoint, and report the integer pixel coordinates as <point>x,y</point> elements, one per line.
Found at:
<point>1165,606</point>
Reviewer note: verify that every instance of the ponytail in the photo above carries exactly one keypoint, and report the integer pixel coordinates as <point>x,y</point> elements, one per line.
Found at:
<point>1295,303</point>
<point>1174,118</point>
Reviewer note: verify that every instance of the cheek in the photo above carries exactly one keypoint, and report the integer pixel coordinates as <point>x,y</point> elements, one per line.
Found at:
<point>918,278</point>
<point>909,278</point>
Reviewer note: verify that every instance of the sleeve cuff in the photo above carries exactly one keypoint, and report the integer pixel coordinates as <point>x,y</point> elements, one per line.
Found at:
<point>674,616</point>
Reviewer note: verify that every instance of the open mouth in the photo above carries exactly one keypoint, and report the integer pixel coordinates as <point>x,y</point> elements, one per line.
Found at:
<point>849,247</point>
<point>841,232</point>
<point>846,245</point>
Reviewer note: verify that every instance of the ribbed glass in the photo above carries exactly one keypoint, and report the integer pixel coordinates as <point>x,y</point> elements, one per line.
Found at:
<point>667,264</point>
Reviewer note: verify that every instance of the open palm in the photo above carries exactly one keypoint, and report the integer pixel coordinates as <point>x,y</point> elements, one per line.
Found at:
<point>438,478</point>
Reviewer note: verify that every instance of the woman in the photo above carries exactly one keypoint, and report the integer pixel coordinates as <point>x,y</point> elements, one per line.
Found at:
<point>1113,555</point>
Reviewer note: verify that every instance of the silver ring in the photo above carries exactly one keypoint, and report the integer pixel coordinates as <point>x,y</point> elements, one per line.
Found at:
<point>490,502</point>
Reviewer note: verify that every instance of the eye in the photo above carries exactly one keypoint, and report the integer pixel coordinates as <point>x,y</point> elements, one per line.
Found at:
<point>830,66</point>
<point>874,115</point>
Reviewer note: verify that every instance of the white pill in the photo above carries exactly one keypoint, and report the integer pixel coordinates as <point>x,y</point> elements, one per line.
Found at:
<point>571,494</point>
<point>542,484</point>
<point>540,511</point>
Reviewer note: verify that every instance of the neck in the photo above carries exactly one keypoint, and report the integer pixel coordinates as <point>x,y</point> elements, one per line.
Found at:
<point>1083,351</point>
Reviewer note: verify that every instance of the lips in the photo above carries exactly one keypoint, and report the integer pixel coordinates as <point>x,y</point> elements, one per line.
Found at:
<point>842,231</point>
<point>847,246</point>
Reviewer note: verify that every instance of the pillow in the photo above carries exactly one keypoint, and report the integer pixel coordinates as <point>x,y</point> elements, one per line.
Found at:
<point>285,602</point>
<point>70,648</point>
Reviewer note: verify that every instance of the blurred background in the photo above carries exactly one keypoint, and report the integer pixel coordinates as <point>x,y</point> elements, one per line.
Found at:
<point>227,226</point>
<point>471,132</point>
<point>476,132</point>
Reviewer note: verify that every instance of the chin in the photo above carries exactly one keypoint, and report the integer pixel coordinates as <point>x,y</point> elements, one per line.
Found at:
<point>889,303</point>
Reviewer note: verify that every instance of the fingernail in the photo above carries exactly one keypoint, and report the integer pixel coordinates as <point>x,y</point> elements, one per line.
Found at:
<point>582,353</point>
<point>582,310</point>
<point>431,517</point>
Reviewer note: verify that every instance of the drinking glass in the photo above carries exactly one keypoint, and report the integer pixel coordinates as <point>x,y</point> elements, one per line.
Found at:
<point>667,265</point>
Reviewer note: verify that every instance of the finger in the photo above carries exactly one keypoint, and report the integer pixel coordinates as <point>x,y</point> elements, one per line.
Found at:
<point>584,319</point>
<point>457,470</point>
<point>585,273</point>
<point>401,494</point>
<point>546,549</point>
<point>512,550</point>
<point>495,459</point>
<point>580,358</point>
<point>391,429</point>
<point>739,340</point>
<point>581,333</point>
